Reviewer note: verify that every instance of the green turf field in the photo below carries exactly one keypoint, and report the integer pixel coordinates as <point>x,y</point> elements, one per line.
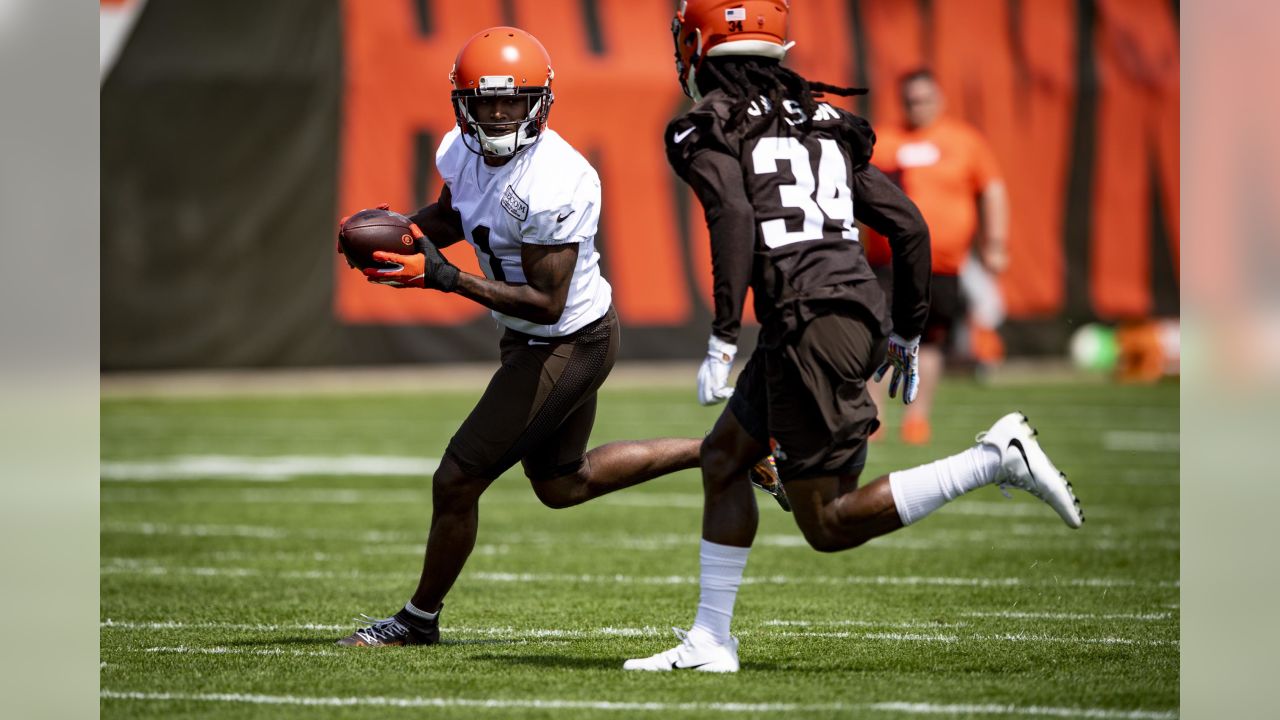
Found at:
<point>222,597</point>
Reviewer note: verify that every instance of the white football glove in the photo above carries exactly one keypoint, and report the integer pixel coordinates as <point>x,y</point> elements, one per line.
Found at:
<point>904,357</point>
<point>713,376</point>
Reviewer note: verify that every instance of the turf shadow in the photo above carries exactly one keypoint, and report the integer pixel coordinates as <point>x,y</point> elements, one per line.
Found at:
<point>558,661</point>
<point>311,640</point>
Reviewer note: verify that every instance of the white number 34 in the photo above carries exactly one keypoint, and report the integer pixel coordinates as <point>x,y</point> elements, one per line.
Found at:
<point>831,196</point>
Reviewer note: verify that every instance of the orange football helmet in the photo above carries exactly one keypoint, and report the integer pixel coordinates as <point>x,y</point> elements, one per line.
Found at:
<point>711,28</point>
<point>502,62</point>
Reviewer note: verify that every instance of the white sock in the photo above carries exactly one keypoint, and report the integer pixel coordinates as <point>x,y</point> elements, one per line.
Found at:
<point>409,608</point>
<point>722,567</point>
<point>921,490</point>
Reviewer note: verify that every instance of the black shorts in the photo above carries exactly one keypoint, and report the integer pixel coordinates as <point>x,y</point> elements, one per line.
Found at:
<point>947,305</point>
<point>808,398</point>
<point>540,405</point>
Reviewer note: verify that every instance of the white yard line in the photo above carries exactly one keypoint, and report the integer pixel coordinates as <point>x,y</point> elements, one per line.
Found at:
<point>952,639</point>
<point>1013,536</point>
<point>1032,710</point>
<point>525,634</point>
<point>184,650</point>
<point>1011,615</point>
<point>863,623</point>
<point>262,532</point>
<point>267,469</point>
<point>1140,441</point>
<point>181,625</point>
<point>625,706</point>
<point>130,566</point>
<point>264,496</point>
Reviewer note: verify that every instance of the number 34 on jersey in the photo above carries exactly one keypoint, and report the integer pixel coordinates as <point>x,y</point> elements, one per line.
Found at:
<point>823,197</point>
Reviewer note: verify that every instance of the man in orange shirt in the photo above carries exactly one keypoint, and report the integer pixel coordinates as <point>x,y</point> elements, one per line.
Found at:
<point>948,169</point>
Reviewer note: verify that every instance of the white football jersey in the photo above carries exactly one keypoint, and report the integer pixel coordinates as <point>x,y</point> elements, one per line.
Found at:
<point>547,195</point>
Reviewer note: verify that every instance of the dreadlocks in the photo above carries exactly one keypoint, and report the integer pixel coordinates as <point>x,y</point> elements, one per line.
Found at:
<point>747,78</point>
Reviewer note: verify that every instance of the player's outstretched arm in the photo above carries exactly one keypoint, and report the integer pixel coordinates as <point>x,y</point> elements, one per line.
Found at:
<point>547,270</point>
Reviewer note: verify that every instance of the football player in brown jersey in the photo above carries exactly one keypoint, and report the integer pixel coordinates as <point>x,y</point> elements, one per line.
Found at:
<point>780,173</point>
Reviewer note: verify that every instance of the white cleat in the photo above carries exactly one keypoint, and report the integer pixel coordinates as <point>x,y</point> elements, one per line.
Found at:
<point>1025,465</point>
<point>704,657</point>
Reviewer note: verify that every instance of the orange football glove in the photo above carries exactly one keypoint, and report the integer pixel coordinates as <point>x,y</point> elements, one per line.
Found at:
<point>427,269</point>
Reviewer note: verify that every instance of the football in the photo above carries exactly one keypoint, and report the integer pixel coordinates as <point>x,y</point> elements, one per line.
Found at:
<point>369,231</point>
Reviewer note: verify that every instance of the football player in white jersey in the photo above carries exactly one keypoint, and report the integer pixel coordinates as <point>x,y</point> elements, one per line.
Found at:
<point>529,204</point>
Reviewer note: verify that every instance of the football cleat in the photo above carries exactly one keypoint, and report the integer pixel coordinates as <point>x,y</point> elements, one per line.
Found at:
<point>392,631</point>
<point>688,655</point>
<point>1024,465</point>
<point>764,476</point>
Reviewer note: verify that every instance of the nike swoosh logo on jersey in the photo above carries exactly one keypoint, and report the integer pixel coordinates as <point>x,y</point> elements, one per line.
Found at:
<point>682,135</point>
<point>565,216</point>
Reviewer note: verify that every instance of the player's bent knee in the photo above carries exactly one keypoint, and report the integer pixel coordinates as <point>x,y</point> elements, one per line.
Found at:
<point>825,543</point>
<point>718,464</point>
<point>555,494</point>
<point>562,487</point>
<point>452,490</point>
<point>824,538</point>
<point>563,491</point>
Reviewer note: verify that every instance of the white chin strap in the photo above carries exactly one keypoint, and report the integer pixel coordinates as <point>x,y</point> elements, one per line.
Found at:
<point>510,143</point>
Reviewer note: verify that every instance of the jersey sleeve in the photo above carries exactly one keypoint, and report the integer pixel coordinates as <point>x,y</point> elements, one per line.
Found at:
<point>569,216</point>
<point>448,155</point>
<point>716,178</point>
<point>697,131</point>
<point>885,209</point>
<point>858,138</point>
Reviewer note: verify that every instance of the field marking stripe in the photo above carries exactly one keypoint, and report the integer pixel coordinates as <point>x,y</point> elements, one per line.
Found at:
<point>352,496</point>
<point>647,631</point>
<point>122,566</point>
<point>218,650</point>
<point>1012,615</point>
<point>552,704</point>
<point>1029,537</point>
<point>440,702</point>
<point>267,469</point>
<point>1032,710</point>
<point>1140,441</point>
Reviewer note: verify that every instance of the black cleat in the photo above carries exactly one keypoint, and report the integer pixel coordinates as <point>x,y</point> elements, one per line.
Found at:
<point>399,629</point>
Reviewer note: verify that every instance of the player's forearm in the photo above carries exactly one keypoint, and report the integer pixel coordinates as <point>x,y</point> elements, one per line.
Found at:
<point>994,203</point>
<point>523,301</point>
<point>891,213</point>
<point>717,181</point>
<point>732,238</point>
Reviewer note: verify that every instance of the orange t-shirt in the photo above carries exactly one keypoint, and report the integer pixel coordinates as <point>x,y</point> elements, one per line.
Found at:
<point>944,168</point>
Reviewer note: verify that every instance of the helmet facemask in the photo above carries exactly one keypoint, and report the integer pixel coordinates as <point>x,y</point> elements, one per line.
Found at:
<point>527,107</point>
<point>687,66</point>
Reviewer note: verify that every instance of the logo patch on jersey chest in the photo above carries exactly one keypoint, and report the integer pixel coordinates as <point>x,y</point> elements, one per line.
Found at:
<point>512,203</point>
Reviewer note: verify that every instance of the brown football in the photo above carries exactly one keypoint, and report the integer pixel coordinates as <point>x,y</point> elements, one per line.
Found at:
<point>369,231</point>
